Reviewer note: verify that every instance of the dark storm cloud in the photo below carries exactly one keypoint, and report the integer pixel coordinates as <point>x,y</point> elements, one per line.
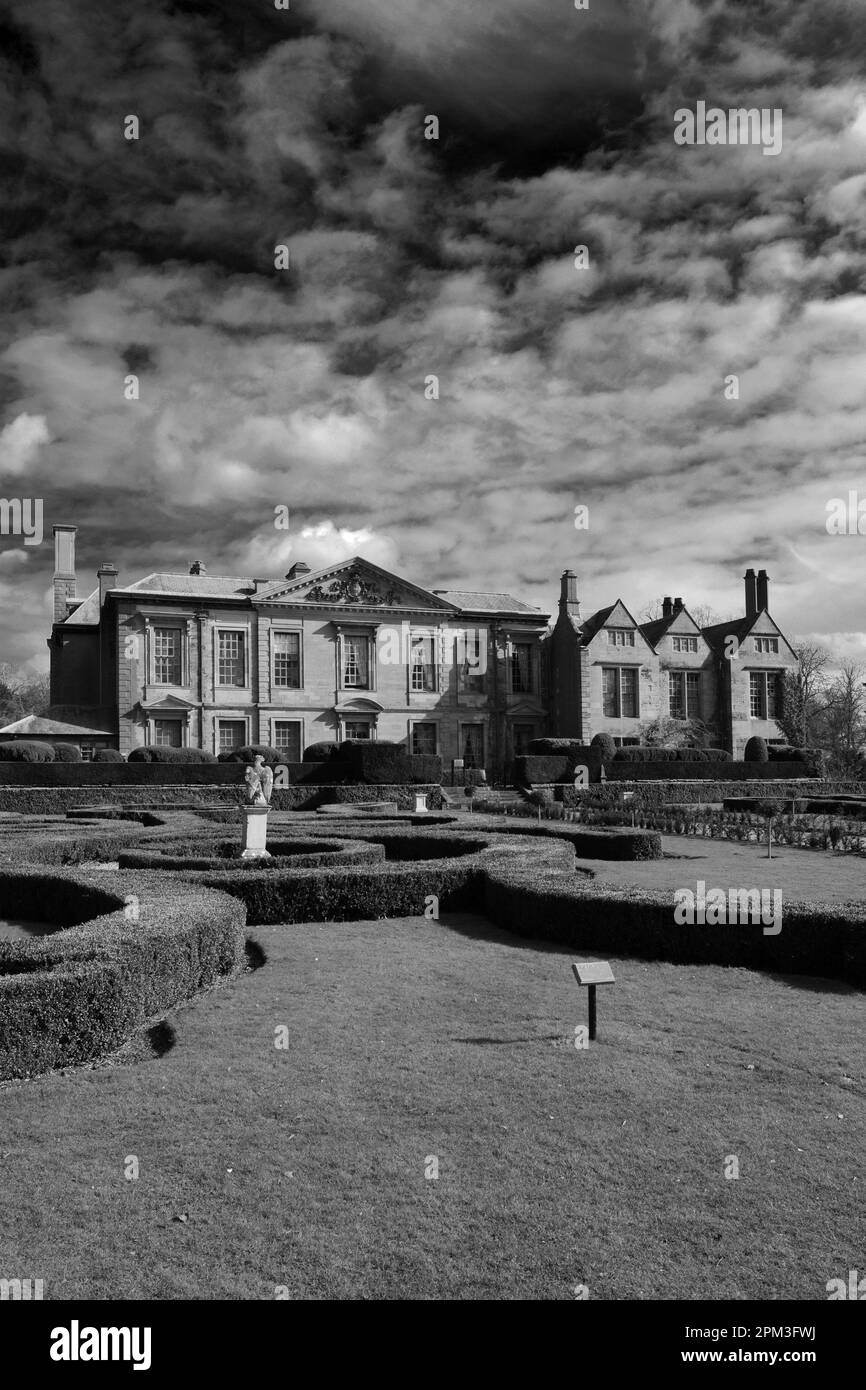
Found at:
<point>409,258</point>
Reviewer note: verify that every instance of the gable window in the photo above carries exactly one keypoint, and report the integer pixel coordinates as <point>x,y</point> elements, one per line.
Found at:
<point>287,660</point>
<point>356,664</point>
<point>764,694</point>
<point>423,738</point>
<point>767,645</point>
<point>685,694</point>
<point>167,733</point>
<point>521,668</point>
<point>619,692</point>
<point>620,636</point>
<point>422,664</point>
<point>685,644</point>
<point>166,656</point>
<point>231,658</point>
<point>287,739</point>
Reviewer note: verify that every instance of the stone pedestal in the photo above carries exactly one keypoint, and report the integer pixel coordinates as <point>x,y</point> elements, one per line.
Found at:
<point>420,801</point>
<point>255,832</point>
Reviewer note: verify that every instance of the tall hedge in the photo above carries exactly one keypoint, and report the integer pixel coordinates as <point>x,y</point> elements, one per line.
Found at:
<point>153,753</point>
<point>27,752</point>
<point>250,752</point>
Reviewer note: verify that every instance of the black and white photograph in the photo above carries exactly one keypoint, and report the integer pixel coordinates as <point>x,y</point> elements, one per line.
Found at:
<point>432,669</point>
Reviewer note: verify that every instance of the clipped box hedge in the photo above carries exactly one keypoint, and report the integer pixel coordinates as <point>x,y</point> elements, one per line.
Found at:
<point>79,993</point>
<point>603,918</point>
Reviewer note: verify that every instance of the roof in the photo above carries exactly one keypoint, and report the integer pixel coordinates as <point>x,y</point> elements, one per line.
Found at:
<point>716,634</point>
<point>197,585</point>
<point>478,602</point>
<point>87,612</point>
<point>35,724</point>
<point>595,622</point>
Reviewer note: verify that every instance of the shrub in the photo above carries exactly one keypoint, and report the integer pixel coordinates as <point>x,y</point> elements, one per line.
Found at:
<point>606,746</point>
<point>67,753</point>
<point>320,752</point>
<point>73,996</point>
<point>530,768</point>
<point>108,755</point>
<point>426,767</point>
<point>756,751</point>
<point>250,752</point>
<point>373,763</point>
<point>26,752</point>
<point>543,747</point>
<point>153,753</point>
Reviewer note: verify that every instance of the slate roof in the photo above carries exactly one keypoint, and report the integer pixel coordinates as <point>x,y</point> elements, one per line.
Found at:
<point>477,602</point>
<point>33,724</point>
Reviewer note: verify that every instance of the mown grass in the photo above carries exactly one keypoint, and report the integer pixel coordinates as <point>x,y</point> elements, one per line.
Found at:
<point>411,1039</point>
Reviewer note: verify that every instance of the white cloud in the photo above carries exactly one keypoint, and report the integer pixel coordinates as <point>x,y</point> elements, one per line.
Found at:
<point>20,442</point>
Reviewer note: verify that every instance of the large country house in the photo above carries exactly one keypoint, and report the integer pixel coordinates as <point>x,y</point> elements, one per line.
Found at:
<point>355,652</point>
<point>348,652</point>
<point>610,673</point>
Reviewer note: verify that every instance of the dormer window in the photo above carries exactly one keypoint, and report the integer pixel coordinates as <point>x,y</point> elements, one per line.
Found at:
<point>767,645</point>
<point>620,636</point>
<point>685,644</point>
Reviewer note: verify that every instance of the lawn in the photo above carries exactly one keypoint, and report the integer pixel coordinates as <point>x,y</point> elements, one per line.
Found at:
<point>413,1040</point>
<point>802,874</point>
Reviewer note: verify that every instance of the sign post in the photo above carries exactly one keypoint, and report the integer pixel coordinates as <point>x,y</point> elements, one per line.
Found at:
<point>591,973</point>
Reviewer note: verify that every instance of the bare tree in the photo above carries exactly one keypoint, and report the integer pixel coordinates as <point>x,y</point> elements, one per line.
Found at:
<point>842,722</point>
<point>801,694</point>
<point>21,693</point>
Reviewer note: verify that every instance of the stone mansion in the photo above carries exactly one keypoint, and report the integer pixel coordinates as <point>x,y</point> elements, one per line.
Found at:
<point>352,651</point>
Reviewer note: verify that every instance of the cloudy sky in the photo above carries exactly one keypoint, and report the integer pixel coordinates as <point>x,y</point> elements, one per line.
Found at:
<point>410,258</point>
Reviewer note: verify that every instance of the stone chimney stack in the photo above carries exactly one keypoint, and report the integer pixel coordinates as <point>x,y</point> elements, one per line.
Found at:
<point>197,567</point>
<point>751,594</point>
<point>568,600</point>
<point>678,604</point>
<point>762,587</point>
<point>64,570</point>
<point>107,576</point>
<point>667,606</point>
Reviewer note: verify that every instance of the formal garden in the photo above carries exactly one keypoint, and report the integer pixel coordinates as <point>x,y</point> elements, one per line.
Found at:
<point>355,1067</point>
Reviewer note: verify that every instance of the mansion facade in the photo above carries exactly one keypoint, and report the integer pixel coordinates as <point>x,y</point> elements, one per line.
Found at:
<point>353,651</point>
<point>348,652</point>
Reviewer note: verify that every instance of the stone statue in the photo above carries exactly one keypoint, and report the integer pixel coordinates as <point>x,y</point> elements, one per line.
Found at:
<point>260,783</point>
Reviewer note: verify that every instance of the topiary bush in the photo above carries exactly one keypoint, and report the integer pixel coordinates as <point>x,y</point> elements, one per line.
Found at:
<point>321,752</point>
<point>67,753</point>
<point>108,755</point>
<point>153,753</point>
<point>756,751</point>
<point>250,752</point>
<point>542,747</point>
<point>25,752</point>
<point>374,763</point>
<point>606,746</point>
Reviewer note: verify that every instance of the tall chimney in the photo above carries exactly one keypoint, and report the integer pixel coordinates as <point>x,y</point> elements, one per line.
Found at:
<point>762,588</point>
<point>568,600</point>
<point>64,570</point>
<point>751,594</point>
<point>678,603</point>
<point>667,606</point>
<point>107,576</point>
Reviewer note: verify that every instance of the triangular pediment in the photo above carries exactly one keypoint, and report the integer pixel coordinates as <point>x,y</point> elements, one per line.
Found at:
<point>354,583</point>
<point>167,704</point>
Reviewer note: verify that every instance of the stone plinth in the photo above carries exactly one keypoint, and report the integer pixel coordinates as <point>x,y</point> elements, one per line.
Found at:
<point>420,801</point>
<point>255,832</point>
